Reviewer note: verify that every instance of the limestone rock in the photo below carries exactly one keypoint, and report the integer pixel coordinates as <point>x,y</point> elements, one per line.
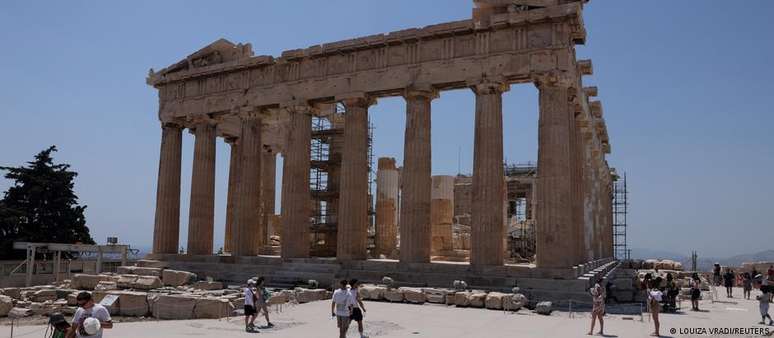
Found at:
<point>125,270</point>
<point>6,304</point>
<point>148,263</point>
<point>207,285</point>
<point>147,283</point>
<point>477,299</point>
<point>43,295</point>
<point>494,300</point>
<point>451,297</point>
<point>18,312</point>
<point>210,307</point>
<point>393,295</point>
<point>436,296</point>
<point>147,271</point>
<point>309,295</point>
<point>514,302</point>
<point>133,304</point>
<point>177,278</point>
<point>14,293</point>
<point>462,298</point>
<point>174,307</point>
<point>126,281</point>
<point>387,281</point>
<point>106,286</point>
<point>414,295</point>
<point>372,292</point>
<point>40,308</point>
<point>543,308</point>
<point>87,282</point>
<point>278,298</point>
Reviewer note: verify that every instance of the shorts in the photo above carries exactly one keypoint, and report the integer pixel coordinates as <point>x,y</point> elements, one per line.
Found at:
<point>695,294</point>
<point>764,307</point>
<point>342,321</point>
<point>357,315</point>
<point>250,310</point>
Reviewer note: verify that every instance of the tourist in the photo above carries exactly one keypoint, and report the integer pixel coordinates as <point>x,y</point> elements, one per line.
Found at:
<point>90,319</point>
<point>341,305</point>
<point>695,291</point>
<point>58,324</point>
<point>764,306</point>
<point>263,300</point>
<point>598,307</point>
<point>771,273</point>
<point>654,303</point>
<point>357,308</point>
<point>716,274</point>
<point>728,282</point>
<point>250,312</point>
<point>771,283</point>
<point>747,284</point>
<point>671,292</point>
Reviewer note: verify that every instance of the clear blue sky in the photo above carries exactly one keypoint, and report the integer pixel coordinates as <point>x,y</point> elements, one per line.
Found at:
<point>686,88</point>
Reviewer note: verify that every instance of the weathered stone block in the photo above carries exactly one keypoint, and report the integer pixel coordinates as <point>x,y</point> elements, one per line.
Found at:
<point>147,271</point>
<point>148,263</point>
<point>514,302</point>
<point>126,281</point>
<point>309,295</point>
<point>147,283</point>
<point>435,296</point>
<point>207,285</point>
<point>212,308</point>
<point>87,282</point>
<point>43,295</point>
<point>477,299</point>
<point>543,308</point>
<point>177,278</point>
<point>106,286</point>
<point>413,295</point>
<point>393,295</point>
<point>6,304</point>
<point>462,298</point>
<point>372,292</point>
<point>14,293</point>
<point>279,298</point>
<point>494,300</point>
<point>18,312</point>
<point>173,307</point>
<point>134,304</point>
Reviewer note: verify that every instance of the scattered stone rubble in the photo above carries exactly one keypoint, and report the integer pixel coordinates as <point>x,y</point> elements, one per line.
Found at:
<point>148,289</point>
<point>453,296</point>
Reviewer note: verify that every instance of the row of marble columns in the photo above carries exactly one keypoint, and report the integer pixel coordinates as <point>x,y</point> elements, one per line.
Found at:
<point>565,178</point>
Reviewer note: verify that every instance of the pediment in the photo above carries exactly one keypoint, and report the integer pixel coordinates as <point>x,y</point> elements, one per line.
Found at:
<point>218,52</point>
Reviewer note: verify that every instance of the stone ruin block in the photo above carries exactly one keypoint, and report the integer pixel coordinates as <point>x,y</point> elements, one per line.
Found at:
<point>462,298</point>
<point>43,295</point>
<point>14,293</point>
<point>544,308</point>
<point>6,304</point>
<point>106,286</point>
<point>126,281</point>
<point>211,307</point>
<point>494,300</point>
<point>477,299</point>
<point>207,285</point>
<point>149,263</point>
<point>87,282</point>
<point>310,295</point>
<point>393,295</point>
<point>147,283</point>
<point>413,295</point>
<point>173,306</point>
<point>514,302</point>
<point>177,278</point>
<point>372,292</point>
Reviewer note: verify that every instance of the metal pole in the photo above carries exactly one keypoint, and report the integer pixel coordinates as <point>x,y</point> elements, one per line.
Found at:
<point>30,264</point>
<point>57,265</point>
<point>98,268</point>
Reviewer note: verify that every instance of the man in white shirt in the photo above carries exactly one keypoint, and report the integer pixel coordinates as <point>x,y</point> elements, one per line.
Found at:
<point>249,307</point>
<point>341,306</point>
<point>88,309</point>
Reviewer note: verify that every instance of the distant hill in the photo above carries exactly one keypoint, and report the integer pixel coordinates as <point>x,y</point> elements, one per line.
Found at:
<point>704,263</point>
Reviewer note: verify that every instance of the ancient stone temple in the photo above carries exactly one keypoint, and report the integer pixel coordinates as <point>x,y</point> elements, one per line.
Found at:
<point>263,106</point>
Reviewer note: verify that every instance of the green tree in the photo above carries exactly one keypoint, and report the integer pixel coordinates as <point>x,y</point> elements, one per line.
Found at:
<point>41,206</point>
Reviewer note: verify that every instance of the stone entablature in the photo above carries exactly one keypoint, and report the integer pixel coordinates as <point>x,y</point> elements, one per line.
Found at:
<point>512,46</point>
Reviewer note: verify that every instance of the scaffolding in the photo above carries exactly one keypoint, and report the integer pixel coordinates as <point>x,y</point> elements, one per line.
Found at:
<point>620,210</point>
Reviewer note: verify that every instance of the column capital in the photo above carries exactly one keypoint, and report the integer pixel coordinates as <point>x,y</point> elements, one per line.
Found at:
<point>553,79</point>
<point>232,140</point>
<point>356,99</point>
<point>596,108</point>
<point>300,107</point>
<point>590,91</point>
<point>584,67</point>
<point>251,112</point>
<point>420,91</point>
<point>488,85</point>
<point>196,121</point>
<point>172,124</point>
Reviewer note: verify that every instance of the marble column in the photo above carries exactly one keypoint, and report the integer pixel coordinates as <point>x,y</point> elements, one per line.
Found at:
<point>296,198</point>
<point>353,197</point>
<point>231,198</point>
<point>556,242</point>
<point>201,216</point>
<point>487,231</point>
<point>576,158</point>
<point>268,182</point>
<point>590,234</point>
<point>442,214</point>
<point>387,186</point>
<point>166,229</point>
<point>247,226</point>
<point>415,229</point>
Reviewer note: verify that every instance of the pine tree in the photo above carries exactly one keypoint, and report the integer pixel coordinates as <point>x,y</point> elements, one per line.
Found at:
<point>41,206</point>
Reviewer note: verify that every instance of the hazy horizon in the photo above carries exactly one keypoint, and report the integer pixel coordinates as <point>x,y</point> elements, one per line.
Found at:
<point>685,88</point>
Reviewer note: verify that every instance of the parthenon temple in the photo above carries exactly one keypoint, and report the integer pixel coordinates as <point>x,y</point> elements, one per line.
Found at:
<point>265,106</point>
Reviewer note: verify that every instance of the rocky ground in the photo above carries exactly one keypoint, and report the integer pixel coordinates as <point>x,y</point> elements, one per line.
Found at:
<point>387,319</point>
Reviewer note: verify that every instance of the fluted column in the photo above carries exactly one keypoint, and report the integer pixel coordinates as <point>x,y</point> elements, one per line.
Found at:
<point>201,216</point>
<point>268,187</point>
<point>166,228</point>
<point>442,214</point>
<point>353,196</point>
<point>296,207</point>
<point>415,229</point>
<point>487,232</point>
<point>246,229</point>
<point>387,186</point>
<point>231,199</point>
<point>576,157</point>
<point>556,243</point>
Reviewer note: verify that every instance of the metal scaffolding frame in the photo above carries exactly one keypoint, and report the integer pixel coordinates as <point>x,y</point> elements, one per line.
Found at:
<point>620,211</point>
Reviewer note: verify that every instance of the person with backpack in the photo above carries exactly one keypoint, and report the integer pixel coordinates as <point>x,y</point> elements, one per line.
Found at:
<point>58,325</point>
<point>263,300</point>
<point>249,307</point>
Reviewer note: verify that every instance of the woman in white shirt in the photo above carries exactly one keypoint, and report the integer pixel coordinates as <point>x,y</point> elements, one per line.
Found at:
<point>654,302</point>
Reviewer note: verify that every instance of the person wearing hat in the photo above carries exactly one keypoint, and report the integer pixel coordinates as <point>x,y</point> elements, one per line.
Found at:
<point>90,319</point>
<point>249,307</point>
